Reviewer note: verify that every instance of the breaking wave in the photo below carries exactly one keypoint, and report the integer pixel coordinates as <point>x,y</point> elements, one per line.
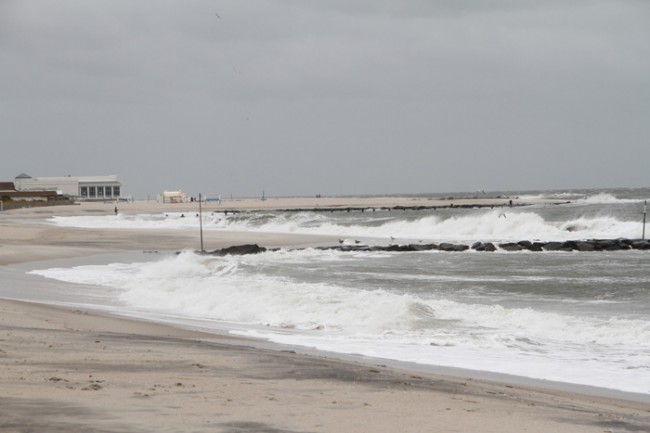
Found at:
<point>489,225</point>
<point>419,327</point>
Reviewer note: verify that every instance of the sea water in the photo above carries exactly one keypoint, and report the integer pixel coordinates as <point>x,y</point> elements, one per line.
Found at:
<point>576,317</point>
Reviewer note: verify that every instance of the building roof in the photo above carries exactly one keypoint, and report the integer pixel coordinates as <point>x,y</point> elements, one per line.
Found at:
<point>7,186</point>
<point>82,179</point>
<point>27,194</point>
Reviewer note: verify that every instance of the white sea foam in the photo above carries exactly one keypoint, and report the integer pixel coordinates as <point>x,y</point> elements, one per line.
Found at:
<point>605,198</point>
<point>489,225</point>
<point>218,287</point>
<point>579,198</point>
<point>407,326</point>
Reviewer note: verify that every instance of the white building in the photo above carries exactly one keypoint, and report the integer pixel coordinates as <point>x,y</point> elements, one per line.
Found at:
<point>81,187</point>
<point>173,197</point>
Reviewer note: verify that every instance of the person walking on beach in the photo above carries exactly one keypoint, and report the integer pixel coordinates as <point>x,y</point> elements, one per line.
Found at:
<point>115,210</point>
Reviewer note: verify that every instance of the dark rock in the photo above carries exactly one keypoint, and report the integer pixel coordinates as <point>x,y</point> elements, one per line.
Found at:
<point>641,245</point>
<point>401,248</point>
<point>552,246</point>
<point>423,247</point>
<point>511,246</point>
<point>526,244</point>
<point>357,248</point>
<point>585,246</point>
<point>537,246</point>
<point>239,250</point>
<point>484,246</point>
<point>489,246</point>
<point>478,246</point>
<point>452,247</point>
<point>610,245</point>
<point>569,246</point>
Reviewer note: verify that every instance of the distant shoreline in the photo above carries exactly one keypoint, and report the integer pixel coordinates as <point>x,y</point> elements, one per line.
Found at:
<point>281,204</point>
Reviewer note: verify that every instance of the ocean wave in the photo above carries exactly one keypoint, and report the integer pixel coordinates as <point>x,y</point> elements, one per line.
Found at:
<point>494,225</point>
<point>231,289</point>
<point>605,198</point>
<point>263,296</point>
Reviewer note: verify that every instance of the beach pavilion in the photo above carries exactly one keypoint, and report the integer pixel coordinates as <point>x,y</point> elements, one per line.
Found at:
<point>78,187</point>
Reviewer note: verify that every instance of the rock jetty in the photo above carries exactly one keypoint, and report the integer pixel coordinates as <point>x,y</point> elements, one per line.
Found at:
<point>573,245</point>
<point>236,250</point>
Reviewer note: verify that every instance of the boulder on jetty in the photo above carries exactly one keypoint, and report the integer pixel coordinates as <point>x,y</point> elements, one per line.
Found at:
<point>554,246</point>
<point>238,250</point>
<point>511,246</point>
<point>640,244</point>
<point>452,247</point>
<point>484,246</point>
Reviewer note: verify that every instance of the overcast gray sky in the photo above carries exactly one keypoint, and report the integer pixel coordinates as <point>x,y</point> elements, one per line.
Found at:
<point>300,97</point>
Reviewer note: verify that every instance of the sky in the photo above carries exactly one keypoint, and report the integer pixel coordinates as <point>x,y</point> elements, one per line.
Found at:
<point>331,97</point>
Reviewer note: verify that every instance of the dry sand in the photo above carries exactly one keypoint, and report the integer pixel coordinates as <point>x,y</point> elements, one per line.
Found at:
<point>72,370</point>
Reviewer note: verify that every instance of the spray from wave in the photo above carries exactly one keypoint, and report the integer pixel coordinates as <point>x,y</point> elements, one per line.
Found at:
<point>232,289</point>
<point>605,198</point>
<point>493,225</point>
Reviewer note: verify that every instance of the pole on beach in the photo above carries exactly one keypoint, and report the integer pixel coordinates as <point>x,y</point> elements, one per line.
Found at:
<point>645,208</point>
<point>201,221</point>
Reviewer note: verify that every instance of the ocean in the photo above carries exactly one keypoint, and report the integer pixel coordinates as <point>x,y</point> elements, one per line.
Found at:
<point>573,317</point>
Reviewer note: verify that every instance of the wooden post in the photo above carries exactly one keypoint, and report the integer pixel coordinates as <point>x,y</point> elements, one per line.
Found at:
<point>645,208</point>
<point>201,222</point>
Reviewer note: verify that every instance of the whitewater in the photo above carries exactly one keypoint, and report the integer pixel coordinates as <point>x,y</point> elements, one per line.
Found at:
<point>581,318</point>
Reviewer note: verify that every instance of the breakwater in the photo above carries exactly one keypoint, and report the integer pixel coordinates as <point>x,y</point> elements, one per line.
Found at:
<point>572,245</point>
<point>349,209</point>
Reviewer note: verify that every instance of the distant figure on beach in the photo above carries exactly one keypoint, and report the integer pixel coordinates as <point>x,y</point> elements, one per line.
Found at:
<point>115,210</point>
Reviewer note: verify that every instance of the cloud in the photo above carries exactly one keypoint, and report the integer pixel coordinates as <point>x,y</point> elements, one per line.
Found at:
<point>340,97</point>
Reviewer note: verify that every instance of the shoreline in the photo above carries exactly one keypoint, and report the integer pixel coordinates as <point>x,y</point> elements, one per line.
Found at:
<point>132,375</point>
<point>197,325</point>
<point>148,376</point>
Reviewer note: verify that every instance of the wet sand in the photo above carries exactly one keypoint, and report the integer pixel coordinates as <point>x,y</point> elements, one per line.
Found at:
<point>68,370</point>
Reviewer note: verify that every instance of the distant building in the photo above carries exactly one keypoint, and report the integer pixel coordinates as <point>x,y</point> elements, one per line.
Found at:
<point>11,198</point>
<point>78,187</point>
<point>7,187</point>
<point>173,197</point>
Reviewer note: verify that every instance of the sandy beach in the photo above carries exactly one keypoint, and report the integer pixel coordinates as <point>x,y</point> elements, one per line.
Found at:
<point>67,370</point>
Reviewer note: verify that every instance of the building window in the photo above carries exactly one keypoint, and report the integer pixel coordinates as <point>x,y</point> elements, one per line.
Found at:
<point>84,191</point>
<point>116,191</point>
<point>100,191</point>
<point>91,192</point>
